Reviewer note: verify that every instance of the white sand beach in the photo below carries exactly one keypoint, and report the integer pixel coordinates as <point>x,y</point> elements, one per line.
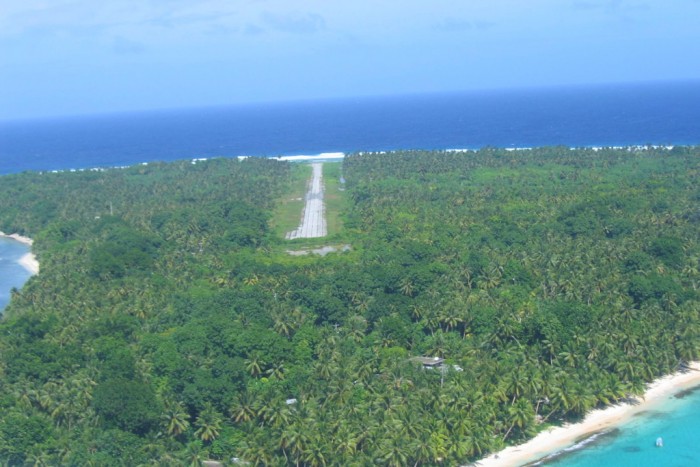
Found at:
<point>319,157</point>
<point>18,237</point>
<point>28,261</point>
<point>556,439</point>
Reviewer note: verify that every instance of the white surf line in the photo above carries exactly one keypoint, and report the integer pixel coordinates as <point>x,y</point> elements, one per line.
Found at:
<point>313,219</point>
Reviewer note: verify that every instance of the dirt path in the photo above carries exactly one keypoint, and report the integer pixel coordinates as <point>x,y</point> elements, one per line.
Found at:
<point>313,219</point>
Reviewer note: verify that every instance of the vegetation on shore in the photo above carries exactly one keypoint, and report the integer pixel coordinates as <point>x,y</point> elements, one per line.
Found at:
<point>169,326</point>
<point>335,199</point>
<point>287,213</point>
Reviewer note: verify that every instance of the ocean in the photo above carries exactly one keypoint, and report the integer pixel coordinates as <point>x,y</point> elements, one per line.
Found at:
<point>614,115</point>
<point>632,444</point>
<point>12,275</point>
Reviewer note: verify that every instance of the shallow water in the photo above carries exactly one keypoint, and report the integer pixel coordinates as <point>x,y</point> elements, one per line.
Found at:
<point>676,420</point>
<point>12,274</point>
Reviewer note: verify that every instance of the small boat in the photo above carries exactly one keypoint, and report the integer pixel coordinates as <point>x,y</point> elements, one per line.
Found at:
<point>659,442</point>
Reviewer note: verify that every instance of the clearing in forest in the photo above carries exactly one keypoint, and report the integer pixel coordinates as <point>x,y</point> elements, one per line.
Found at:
<point>313,218</point>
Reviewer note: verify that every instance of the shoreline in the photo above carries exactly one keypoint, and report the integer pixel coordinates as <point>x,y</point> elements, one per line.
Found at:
<point>597,421</point>
<point>18,237</point>
<point>28,261</point>
<point>335,156</point>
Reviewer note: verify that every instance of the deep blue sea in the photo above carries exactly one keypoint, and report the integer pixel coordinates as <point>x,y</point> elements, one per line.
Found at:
<point>614,115</point>
<point>660,113</point>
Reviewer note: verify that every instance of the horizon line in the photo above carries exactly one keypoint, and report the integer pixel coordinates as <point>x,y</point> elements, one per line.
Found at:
<point>337,99</point>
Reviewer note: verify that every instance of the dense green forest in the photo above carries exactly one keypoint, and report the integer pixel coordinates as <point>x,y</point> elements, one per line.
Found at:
<point>169,326</point>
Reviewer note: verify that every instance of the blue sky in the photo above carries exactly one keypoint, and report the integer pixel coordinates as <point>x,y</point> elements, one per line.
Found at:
<point>62,57</point>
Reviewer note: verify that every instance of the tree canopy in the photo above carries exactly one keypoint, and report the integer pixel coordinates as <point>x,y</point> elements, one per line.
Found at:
<point>169,325</point>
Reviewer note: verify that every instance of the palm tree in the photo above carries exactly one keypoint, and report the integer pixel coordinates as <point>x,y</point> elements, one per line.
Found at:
<point>252,280</point>
<point>457,447</point>
<point>326,368</point>
<point>438,441</point>
<point>208,423</point>
<point>406,286</point>
<point>438,346</point>
<point>550,349</point>
<point>282,324</point>
<point>569,356</point>
<point>193,454</point>
<point>517,384</point>
<point>520,414</point>
<point>294,439</point>
<point>254,364</point>
<point>314,454</point>
<point>356,327</point>
<point>431,321</point>
<point>581,400</point>
<point>243,408</point>
<point>39,459</point>
<point>276,371</point>
<point>345,442</point>
<point>422,452</point>
<point>273,410</point>
<point>361,301</point>
<point>393,451</point>
<point>256,452</point>
<point>450,318</point>
<point>558,400</point>
<point>176,419</point>
<point>417,312</point>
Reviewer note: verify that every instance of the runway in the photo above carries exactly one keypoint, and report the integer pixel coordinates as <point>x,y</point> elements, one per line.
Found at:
<point>313,218</point>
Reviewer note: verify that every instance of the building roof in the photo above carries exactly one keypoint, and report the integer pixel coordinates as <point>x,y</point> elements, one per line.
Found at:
<point>428,361</point>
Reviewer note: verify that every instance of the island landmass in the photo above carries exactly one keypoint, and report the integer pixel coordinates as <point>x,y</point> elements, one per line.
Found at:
<point>489,297</point>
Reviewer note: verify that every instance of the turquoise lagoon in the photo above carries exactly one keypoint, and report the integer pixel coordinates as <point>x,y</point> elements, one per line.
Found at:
<point>676,420</point>
<point>12,274</point>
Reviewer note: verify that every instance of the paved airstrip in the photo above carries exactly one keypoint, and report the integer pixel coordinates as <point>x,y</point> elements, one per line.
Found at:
<point>313,218</point>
